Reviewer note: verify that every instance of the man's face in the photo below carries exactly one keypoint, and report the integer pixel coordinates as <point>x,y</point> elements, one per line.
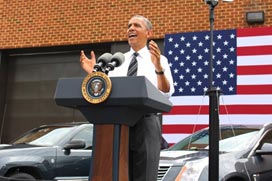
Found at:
<point>137,33</point>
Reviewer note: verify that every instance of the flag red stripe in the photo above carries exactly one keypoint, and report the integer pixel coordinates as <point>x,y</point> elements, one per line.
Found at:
<point>254,70</point>
<point>254,89</point>
<point>254,31</point>
<point>229,109</point>
<point>260,50</point>
<point>183,128</point>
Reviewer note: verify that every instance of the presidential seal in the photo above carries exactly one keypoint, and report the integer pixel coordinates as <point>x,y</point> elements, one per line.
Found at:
<point>96,87</point>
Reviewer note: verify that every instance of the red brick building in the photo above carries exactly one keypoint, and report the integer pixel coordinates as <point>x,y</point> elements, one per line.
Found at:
<point>40,42</point>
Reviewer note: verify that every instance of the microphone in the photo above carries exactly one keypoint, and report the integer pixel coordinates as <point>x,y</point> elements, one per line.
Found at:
<point>117,59</point>
<point>102,61</point>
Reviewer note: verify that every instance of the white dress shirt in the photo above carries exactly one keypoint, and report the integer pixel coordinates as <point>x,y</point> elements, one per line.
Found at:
<point>145,68</point>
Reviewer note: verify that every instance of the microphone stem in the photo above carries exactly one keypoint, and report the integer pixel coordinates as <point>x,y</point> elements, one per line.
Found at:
<point>106,71</point>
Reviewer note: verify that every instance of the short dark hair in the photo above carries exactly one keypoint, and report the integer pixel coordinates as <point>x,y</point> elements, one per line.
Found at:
<point>147,22</point>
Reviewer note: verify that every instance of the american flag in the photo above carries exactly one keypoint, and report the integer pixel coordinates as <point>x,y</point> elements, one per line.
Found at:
<point>242,70</point>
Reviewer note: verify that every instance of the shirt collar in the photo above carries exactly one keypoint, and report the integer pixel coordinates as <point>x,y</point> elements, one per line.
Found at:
<point>141,52</point>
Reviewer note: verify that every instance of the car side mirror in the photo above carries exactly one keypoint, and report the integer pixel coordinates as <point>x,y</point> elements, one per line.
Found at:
<point>74,144</point>
<point>266,149</point>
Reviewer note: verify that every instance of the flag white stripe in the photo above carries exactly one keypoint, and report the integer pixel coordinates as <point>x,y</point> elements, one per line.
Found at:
<point>254,41</point>
<point>184,119</point>
<point>223,119</point>
<point>224,99</point>
<point>254,80</point>
<point>254,60</point>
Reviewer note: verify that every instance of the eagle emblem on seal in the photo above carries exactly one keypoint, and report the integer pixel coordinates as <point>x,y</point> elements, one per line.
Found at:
<point>97,87</point>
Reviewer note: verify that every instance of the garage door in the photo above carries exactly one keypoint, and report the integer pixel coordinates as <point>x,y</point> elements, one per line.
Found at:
<point>32,80</point>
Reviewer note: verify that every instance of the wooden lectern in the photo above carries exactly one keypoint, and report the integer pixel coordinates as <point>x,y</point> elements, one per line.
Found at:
<point>130,99</point>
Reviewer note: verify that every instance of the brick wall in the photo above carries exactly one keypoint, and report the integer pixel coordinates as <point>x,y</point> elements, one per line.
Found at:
<point>41,23</point>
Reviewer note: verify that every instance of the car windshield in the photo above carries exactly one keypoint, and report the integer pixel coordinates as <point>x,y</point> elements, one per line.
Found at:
<point>46,136</point>
<point>236,143</point>
<point>200,140</point>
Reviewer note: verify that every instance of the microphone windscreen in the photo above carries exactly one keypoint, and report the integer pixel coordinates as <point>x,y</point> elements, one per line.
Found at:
<point>104,59</point>
<point>118,58</point>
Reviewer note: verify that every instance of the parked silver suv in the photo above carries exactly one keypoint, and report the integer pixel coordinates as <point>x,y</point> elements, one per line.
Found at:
<point>245,154</point>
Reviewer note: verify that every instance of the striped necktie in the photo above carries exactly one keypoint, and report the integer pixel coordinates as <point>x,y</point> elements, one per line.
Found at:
<point>133,66</point>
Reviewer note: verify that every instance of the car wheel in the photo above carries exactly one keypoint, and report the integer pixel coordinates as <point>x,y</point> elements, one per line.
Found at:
<point>25,176</point>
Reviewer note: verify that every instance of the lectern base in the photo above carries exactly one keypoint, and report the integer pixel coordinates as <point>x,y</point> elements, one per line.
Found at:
<point>110,153</point>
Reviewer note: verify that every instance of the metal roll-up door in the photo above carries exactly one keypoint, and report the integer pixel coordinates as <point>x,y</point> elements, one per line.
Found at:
<point>31,84</point>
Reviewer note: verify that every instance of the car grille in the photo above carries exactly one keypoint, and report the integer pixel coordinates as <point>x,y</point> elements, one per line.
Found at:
<point>162,171</point>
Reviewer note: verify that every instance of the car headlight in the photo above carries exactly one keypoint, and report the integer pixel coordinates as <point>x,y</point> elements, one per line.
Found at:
<point>192,170</point>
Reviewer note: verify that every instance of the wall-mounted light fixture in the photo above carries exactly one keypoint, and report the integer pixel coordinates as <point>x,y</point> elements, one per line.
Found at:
<point>255,17</point>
